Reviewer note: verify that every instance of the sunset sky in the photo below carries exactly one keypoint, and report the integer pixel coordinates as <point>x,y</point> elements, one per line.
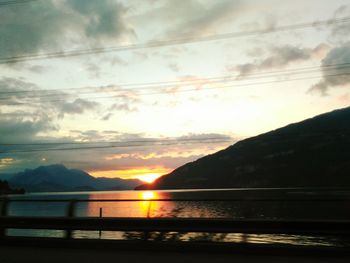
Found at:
<point>143,108</point>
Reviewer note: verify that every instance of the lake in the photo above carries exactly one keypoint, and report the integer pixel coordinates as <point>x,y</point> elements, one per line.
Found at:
<point>292,203</point>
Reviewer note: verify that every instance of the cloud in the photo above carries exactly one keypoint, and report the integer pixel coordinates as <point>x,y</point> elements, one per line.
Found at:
<point>16,84</point>
<point>186,149</point>
<point>199,19</point>
<point>93,70</point>
<point>95,135</point>
<point>103,18</point>
<point>55,25</point>
<point>122,107</point>
<point>17,130</point>
<point>5,161</point>
<point>281,57</point>
<point>340,31</point>
<point>337,55</point>
<point>126,101</point>
<point>107,116</point>
<point>26,99</point>
<point>191,17</point>
<point>78,106</point>
<point>37,69</point>
<point>174,67</point>
<point>145,153</point>
<point>30,67</point>
<point>10,90</point>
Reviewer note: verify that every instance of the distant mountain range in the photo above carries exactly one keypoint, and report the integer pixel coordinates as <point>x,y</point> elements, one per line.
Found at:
<point>311,153</point>
<point>58,178</point>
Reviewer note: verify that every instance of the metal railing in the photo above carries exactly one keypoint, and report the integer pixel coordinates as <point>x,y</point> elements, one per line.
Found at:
<point>70,222</point>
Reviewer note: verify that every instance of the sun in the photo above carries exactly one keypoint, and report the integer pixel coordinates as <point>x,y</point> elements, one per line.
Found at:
<point>148,195</point>
<point>149,178</point>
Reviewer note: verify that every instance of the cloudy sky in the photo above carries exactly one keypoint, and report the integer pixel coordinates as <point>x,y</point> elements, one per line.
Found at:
<point>148,85</point>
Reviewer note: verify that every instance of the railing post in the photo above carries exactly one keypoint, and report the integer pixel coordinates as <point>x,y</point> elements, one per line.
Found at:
<point>3,213</point>
<point>70,214</point>
<point>100,232</point>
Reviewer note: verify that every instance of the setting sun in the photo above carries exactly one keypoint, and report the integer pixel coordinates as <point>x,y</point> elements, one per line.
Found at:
<point>149,178</point>
<point>145,174</point>
<point>148,195</point>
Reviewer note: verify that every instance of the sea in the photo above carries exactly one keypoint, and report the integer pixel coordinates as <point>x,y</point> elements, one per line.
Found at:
<point>247,203</point>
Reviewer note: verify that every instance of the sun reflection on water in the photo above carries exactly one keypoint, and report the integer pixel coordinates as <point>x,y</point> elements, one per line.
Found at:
<point>148,195</point>
<point>146,206</point>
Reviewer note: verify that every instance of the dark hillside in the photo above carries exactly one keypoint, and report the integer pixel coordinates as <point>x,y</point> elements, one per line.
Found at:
<point>311,153</point>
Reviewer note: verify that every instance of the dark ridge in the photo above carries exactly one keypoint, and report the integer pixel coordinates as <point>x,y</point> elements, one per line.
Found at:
<point>311,153</point>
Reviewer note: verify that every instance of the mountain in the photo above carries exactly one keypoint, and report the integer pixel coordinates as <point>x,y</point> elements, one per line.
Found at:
<point>311,153</point>
<point>6,176</point>
<point>58,178</point>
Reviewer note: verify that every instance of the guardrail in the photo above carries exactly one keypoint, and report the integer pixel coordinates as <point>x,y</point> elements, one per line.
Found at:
<point>179,225</point>
<point>70,223</point>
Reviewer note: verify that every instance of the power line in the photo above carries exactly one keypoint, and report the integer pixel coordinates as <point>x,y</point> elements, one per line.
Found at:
<point>256,84</point>
<point>189,83</point>
<point>109,147</point>
<point>163,43</point>
<point>158,142</point>
<point>15,2</point>
<point>165,84</point>
<point>223,79</point>
<point>203,81</point>
<point>149,140</point>
<point>186,90</point>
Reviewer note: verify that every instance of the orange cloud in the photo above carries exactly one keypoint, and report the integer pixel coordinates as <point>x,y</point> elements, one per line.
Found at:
<point>175,153</point>
<point>6,161</point>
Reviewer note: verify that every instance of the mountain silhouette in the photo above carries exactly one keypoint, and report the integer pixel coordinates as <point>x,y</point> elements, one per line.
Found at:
<point>311,153</point>
<point>59,178</point>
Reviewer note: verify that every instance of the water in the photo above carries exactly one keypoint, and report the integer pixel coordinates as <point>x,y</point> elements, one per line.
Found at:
<point>244,204</point>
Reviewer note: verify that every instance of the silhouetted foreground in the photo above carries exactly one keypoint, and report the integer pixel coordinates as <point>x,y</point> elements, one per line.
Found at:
<point>311,153</point>
<point>139,252</point>
<point>6,189</point>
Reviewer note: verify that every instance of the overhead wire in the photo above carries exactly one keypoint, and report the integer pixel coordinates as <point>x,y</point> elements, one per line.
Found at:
<point>148,140</point>
<point>15,2</point>
<point>203,81</point>
<point>176,82</point>
<point>155,142</point>
<point>109,146</point>
<point>163,43</point>
<point>181,90</point>
<point>166,84</point>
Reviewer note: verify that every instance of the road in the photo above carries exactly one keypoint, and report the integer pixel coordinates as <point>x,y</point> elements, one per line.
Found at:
<point>20,254</point>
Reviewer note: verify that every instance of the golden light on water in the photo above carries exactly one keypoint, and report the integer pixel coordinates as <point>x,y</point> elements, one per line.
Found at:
<point>146,205</point>
<point>148,195</point>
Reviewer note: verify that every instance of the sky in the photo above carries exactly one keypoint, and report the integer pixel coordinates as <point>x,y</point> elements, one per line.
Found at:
<point>149,85</point>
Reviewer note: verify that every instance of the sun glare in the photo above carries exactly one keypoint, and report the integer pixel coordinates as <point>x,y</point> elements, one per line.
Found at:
<point>145,174</point>
<point>149,178</point>
<point>148,195</point>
